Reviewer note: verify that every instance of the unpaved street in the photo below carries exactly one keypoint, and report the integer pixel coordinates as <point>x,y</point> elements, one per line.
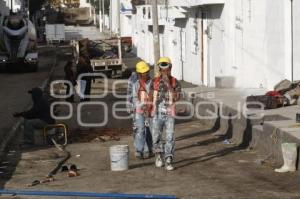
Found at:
<point>205,166</point>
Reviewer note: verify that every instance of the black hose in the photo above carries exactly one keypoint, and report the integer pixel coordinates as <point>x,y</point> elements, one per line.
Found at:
<point>60,163</point>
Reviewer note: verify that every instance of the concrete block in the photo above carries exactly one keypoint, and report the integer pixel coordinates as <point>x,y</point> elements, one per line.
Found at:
<point>225,81</point>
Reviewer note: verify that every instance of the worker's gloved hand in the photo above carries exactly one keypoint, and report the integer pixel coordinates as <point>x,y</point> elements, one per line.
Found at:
<point>17,114</point>
<point>129,108</point>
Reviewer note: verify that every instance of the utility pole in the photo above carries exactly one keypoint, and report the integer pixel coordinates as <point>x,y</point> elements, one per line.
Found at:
<point>103,14</point>
<point>28,8</point>
<point>156,44</point>
<point>110,18</point>
<point>119,17</point>
<point>11,6</point>
<point>292,39</point>
<point>100,16</point>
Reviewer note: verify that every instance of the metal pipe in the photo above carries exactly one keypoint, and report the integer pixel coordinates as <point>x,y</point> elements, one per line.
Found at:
<point>119,17</point>
<point>100,16</point>
<point>11,6</point>
<point>202,47</point>
<point>84,194</point>
<point>103,14</point>
<point>292,40</point>
<point>110,17</point>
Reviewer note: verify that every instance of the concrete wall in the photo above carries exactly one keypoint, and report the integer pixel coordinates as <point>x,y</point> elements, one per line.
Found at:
<point>191,66</point>
<point>245,43</point>
<point>126,25</point>
<point>247,39</point>
<point>296,40</point>
<point>216,44</point>
<point>126,18</point>
<point>114,16</point>
<point>143,36</point>
<point>84,3</point>
<point>174,45</point>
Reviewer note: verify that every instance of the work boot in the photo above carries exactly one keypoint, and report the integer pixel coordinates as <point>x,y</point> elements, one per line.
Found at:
<point>169,166</point>
<point>289,152</point>
<point>158,160</point>
<point>138,155</point>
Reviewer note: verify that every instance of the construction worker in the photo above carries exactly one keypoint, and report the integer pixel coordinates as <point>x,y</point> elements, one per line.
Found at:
<point>84,68</point>
<point>37,117</point>
<point>164,92</point>
<point>137,98</point>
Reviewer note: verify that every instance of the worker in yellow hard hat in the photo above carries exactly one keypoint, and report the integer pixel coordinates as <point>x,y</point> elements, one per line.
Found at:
<point>164,93</point>
<point>137,98</point>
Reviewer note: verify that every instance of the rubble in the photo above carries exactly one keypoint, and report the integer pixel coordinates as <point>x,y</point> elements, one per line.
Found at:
<point>98,135</point>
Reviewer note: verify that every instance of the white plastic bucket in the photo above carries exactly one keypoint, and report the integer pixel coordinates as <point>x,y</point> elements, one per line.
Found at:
<point>119,157</point>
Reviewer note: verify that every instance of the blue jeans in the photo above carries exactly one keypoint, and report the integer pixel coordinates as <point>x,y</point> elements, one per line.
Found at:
<point>160,122</point>
<point>142,134</point>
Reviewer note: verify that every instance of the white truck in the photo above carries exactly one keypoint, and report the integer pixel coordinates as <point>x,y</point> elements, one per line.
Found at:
<point>105,55</point>
<point>18,43</point>
<point>55,33</point>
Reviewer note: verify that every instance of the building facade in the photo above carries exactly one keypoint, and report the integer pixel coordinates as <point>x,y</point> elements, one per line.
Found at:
<point>255,42</point>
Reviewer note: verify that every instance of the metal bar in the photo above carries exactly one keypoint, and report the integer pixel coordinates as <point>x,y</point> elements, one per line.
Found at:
<point>292,39</point>
<point>84,194</point>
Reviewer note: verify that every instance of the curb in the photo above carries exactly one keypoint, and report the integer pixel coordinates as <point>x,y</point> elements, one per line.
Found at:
<point>13,131</point>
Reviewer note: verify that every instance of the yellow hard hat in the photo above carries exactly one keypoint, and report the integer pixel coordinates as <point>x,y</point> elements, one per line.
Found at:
<point>164,62</point>
<point>142,67</point>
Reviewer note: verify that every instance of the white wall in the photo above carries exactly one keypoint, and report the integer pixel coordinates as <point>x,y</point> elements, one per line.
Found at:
<point>5,6</point>
<point>143,36</point>
<point>296,40</point>
<point>249,64</point>
<point>173,45</point>
<point>114,16</point>
<point>216,45</point>
<point>4,10</point>
<point>84,3</point>
<point>250,40</point>
<point>126,18</point>
<point>126,25</point>
<point>191,67</point>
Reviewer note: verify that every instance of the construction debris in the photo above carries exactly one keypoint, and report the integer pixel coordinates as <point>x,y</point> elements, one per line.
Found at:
<point>285,93</point>
<point>37,182</point>
<point>98,135</point>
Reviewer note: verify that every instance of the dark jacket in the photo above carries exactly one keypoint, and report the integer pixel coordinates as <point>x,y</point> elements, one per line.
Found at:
<point>40,109</point>
<point>69,73</point>
<point>83,67</point>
